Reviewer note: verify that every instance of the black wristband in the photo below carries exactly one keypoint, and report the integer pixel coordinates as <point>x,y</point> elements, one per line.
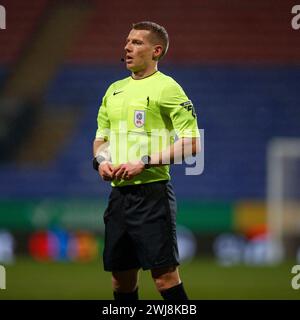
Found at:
<point>97,161</point>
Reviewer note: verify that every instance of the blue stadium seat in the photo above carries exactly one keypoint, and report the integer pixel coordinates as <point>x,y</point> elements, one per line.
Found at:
<point>240,108</point>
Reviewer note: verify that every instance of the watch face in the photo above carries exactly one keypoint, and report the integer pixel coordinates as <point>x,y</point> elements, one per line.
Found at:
<point>146,159</point>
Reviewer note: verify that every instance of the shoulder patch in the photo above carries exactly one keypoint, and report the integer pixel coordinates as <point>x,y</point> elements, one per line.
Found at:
<point>188,105</point>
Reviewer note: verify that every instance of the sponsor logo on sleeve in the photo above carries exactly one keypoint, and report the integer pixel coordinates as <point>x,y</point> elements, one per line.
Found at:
<point>188,105</point>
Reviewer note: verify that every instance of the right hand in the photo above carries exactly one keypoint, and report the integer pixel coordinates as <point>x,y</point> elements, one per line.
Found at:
<point>106,171</point>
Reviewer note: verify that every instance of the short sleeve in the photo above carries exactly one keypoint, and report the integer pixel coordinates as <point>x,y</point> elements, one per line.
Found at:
<point>175,104</point>
<point>102,119</point>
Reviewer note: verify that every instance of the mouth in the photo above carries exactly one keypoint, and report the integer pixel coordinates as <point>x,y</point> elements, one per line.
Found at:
<point>129,59</point>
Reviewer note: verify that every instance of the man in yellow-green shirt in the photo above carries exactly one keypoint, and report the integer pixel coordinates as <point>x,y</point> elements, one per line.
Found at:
<point>138,122</point>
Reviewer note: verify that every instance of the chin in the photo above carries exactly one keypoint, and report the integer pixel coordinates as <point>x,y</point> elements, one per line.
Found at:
<point>131,68</point>
<point>134,68</point>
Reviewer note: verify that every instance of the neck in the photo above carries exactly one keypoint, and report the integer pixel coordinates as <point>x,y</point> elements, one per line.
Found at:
<point>138,75</point>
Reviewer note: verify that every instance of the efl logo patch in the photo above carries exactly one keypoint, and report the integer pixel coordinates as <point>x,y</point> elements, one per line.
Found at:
<point>139,118</point>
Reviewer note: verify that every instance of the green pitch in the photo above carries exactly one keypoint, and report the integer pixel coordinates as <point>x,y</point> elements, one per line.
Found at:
<point>203,279</point>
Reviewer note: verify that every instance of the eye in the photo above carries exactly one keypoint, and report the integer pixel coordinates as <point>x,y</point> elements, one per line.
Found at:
<point>138,42</point>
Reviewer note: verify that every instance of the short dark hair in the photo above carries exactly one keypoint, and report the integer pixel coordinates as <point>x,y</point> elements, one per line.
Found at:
<point>159,33</point>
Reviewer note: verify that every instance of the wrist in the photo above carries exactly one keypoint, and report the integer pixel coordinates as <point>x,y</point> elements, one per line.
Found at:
<point>104,162</point>
<point>97,161</point>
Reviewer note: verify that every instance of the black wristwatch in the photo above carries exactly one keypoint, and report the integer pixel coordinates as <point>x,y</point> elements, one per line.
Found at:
<point>97,161</point>
<point>146,161</point>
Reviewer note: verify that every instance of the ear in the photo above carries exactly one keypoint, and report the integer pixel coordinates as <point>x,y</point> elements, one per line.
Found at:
<point>157,52</point>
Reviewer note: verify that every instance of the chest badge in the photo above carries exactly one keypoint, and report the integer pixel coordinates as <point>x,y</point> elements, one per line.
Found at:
<point>139,118</point>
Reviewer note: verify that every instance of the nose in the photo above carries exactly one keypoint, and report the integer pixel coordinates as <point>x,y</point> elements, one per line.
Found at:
<point>127,47</point>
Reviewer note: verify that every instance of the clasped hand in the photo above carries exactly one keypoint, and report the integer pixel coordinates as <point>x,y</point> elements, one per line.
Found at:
<point>124,171</point>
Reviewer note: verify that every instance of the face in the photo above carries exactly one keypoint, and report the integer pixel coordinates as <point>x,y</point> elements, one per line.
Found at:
<point>140,51</point>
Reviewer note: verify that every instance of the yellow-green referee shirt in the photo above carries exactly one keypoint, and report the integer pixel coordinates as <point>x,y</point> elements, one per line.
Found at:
<point>142,117</point>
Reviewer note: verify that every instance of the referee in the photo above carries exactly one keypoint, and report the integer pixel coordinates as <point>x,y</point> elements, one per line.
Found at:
<point>135,142</point>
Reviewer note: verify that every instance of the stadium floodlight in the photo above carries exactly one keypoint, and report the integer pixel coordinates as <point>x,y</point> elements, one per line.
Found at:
<point>283,196</point>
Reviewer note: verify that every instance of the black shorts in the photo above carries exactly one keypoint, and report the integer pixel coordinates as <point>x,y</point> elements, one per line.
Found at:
<point>140,227</point>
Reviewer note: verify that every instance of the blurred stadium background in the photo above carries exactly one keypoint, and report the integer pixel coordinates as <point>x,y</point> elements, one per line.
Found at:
<point>239,63</point>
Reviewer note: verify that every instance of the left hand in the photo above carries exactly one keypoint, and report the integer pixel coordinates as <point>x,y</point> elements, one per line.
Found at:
<point>128,170</point>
